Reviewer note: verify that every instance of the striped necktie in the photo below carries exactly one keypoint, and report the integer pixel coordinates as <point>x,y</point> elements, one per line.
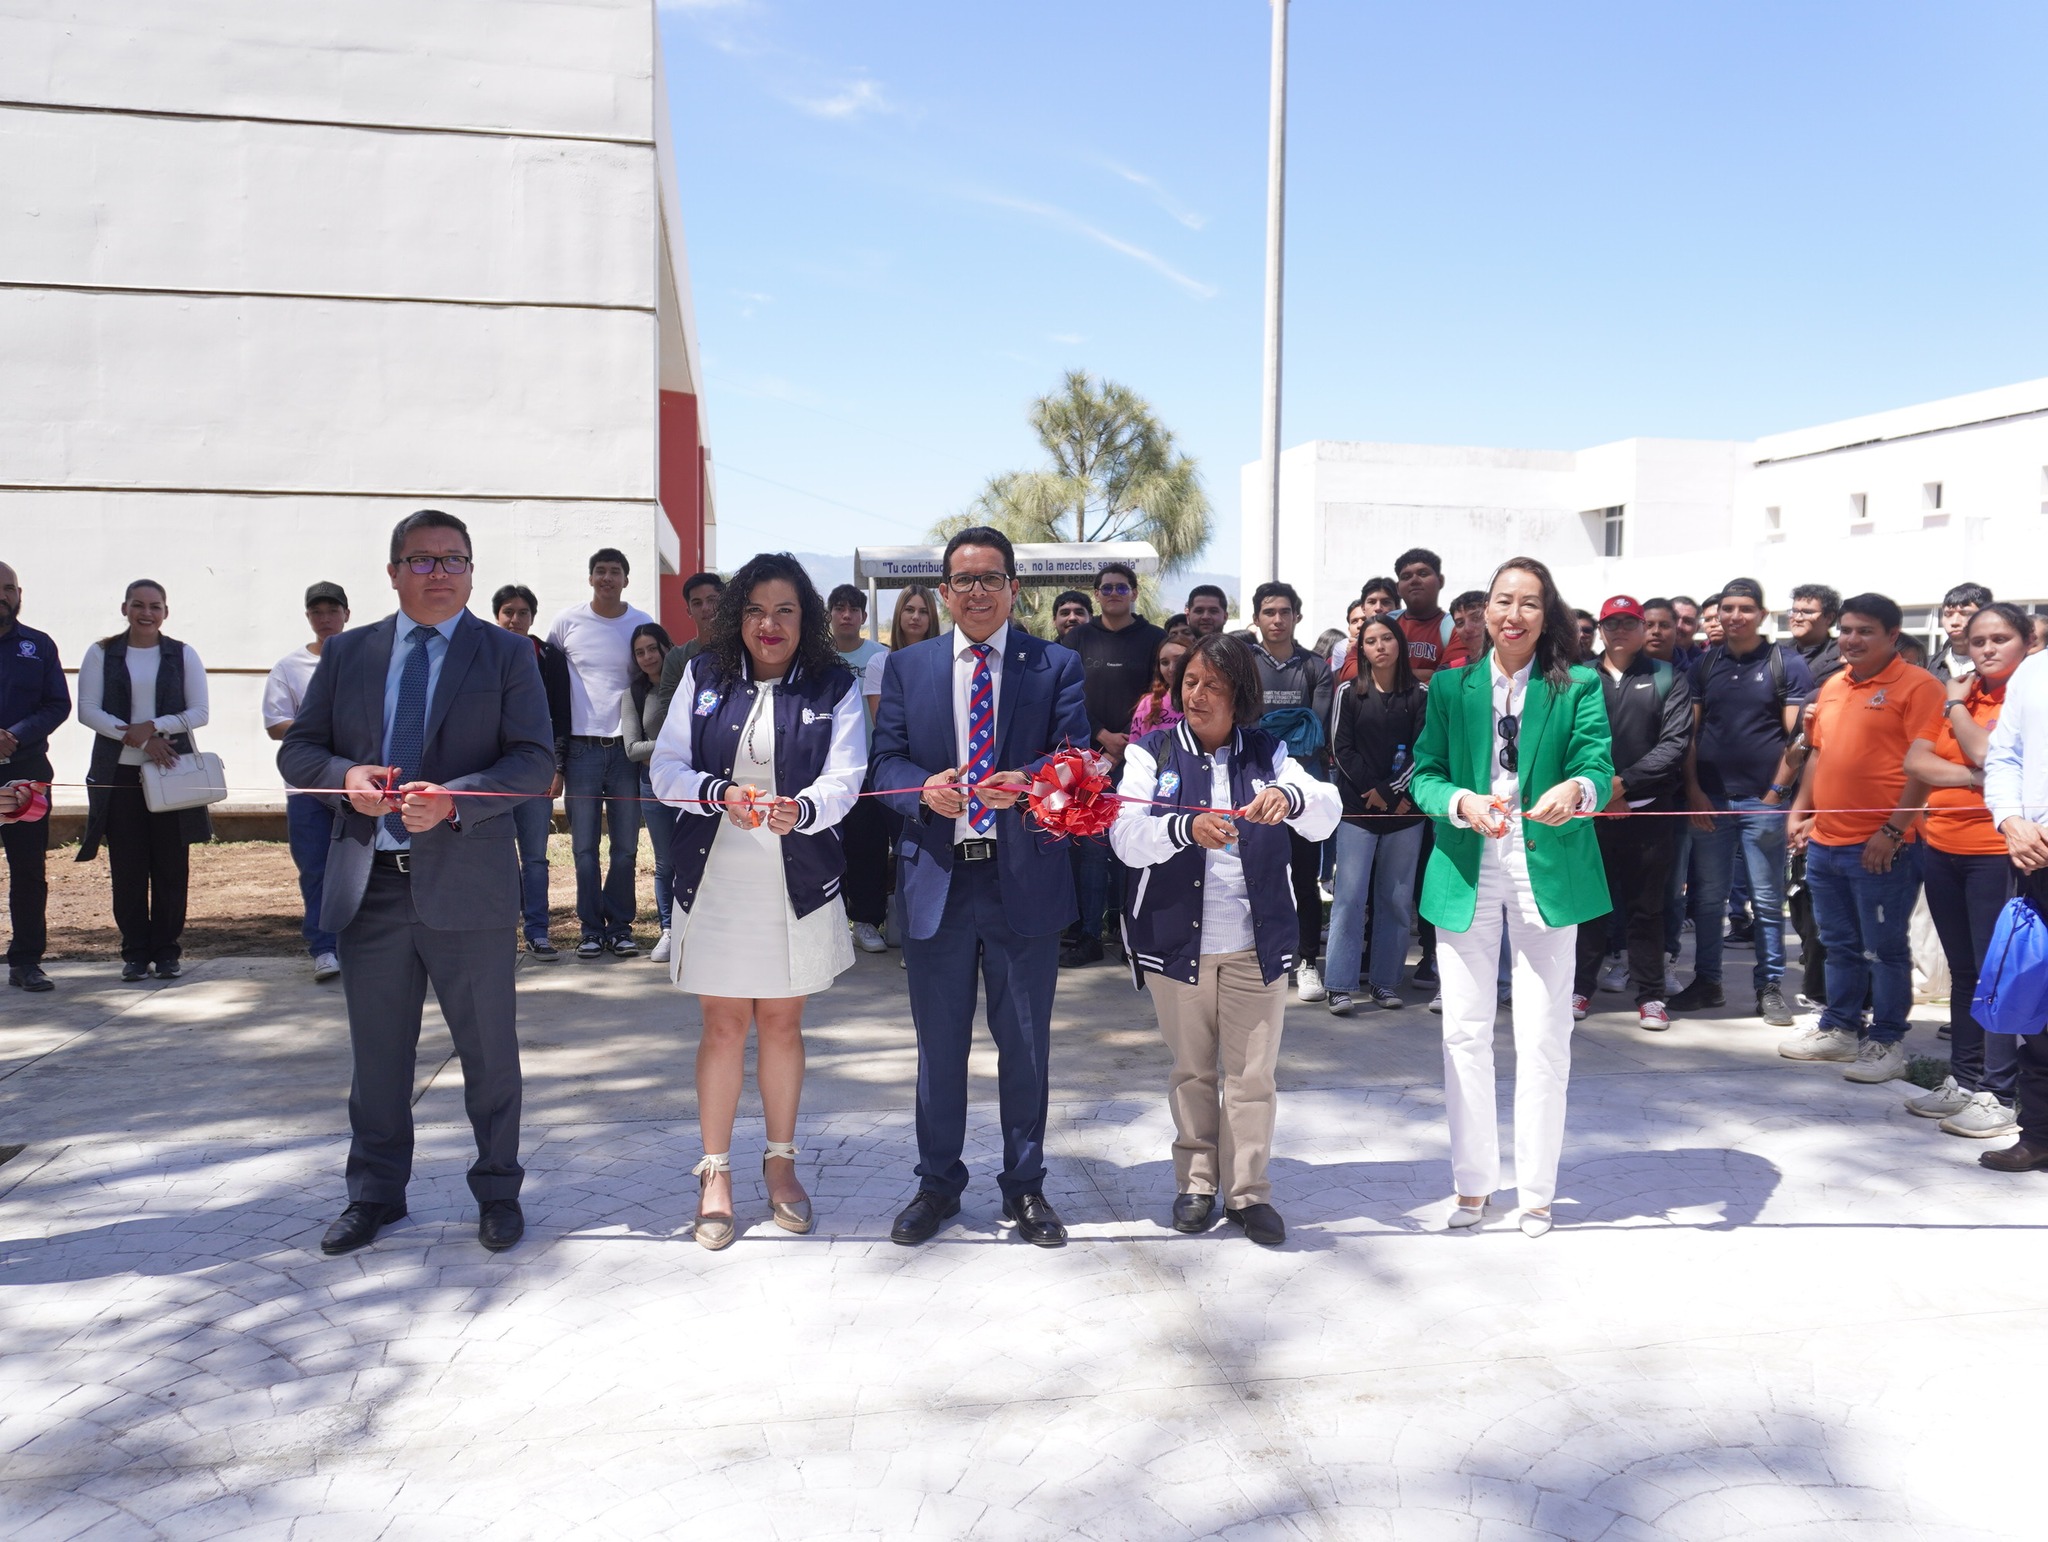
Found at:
<point>981,737</point>
<point>409,723</point>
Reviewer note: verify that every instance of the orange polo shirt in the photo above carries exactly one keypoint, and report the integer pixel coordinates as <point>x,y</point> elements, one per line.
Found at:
<point>1862,729</point>
<point>1957,821</point>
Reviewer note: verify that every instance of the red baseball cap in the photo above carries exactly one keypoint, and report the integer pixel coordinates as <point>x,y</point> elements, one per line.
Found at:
<point>1621,605</point>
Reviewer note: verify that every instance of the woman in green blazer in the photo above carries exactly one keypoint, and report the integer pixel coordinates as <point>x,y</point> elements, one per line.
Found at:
<point>1514,747</point>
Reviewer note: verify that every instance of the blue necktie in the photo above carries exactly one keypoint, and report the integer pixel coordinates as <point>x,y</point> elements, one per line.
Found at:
<point>409,725</point>
<point>981,737</point>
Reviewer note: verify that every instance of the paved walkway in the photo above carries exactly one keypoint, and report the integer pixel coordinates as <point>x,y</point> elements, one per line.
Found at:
<point>1776,1306</point>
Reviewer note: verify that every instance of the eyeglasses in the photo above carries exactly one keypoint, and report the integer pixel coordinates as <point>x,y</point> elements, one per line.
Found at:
<point>1113,589</point>
<point>1510,725</point>
<point>454,566</point>
<point>987,583</point>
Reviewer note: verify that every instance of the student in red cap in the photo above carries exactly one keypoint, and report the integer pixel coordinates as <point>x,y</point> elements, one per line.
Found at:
<point>1649,715</point>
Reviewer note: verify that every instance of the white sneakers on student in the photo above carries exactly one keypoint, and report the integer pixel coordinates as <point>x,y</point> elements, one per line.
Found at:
<point>660,955</point>
<point>1308,982</point>
<point>868,937</point>
<point>1944,1100</point>
<point>1877,1062</point>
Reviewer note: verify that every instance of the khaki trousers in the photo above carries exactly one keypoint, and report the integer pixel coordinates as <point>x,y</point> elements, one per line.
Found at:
<point>1224,1032</point>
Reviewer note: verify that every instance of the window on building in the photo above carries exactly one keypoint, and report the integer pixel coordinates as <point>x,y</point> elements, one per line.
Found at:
<point>1859,514</point>
<point>1930,496</point>
<point>1612,527</point>
<point>1774,523</point>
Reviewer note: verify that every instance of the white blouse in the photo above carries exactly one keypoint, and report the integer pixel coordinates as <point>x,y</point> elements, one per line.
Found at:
<point>676,779</point>
<point>142,668</point>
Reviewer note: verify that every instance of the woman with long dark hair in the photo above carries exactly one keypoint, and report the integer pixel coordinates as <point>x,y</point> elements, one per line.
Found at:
<point>1967,874</point>
<point>142,694</point>
<point>1513,746</point>
<point>1379,722</point>
<point>641,714</point>
<point>763,752</point>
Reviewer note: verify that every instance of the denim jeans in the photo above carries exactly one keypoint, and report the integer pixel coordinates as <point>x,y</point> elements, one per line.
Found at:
<point>601,785</point>
<point>1760,839</point>
<point>1864,918</point>
<point>1681,891</point>
<point>1965,896</point>
<point>1387,864</point>
<point>661,834</point>
<point>1098,885</point>
<point>309,825</point>
<point>531,820</point>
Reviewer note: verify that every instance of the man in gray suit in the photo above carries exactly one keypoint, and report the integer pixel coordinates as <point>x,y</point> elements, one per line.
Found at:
<point>425,890</point>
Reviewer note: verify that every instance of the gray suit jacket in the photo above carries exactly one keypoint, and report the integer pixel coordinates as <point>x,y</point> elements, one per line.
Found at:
<point>487,731</point>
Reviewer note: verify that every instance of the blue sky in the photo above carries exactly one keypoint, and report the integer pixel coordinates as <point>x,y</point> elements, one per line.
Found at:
<point>1540,225</point>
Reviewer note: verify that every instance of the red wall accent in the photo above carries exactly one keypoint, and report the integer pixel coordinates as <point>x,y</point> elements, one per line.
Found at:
<point>682,500</point>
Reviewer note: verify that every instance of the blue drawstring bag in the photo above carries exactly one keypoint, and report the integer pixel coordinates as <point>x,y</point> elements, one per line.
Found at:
<point>2012,989</point>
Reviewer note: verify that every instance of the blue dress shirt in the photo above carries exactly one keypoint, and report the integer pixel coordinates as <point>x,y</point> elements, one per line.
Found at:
<point>401,649</point>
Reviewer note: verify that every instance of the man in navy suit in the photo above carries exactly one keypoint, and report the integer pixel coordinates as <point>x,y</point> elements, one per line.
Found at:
<point>984,704</point>
<point>426,892</point>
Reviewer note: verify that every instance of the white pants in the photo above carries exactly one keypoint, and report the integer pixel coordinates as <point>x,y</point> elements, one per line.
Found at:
<point>1544,961</point>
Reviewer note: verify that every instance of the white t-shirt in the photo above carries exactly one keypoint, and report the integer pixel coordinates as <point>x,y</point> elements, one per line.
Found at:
<point>600,652</point>
<point>286,687</point>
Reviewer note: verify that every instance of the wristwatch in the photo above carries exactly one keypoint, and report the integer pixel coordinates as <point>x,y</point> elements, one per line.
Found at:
<point>1780,788</point>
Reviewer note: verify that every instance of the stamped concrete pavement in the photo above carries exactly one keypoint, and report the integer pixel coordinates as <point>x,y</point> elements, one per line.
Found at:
<point>1776,1305</point>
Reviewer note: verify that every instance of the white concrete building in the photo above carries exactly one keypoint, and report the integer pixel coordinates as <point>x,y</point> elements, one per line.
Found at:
<point>1907,502</point>
<point>274,274</point>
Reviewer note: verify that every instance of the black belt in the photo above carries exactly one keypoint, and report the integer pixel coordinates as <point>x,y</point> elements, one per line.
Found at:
<point>595,739</point>
<point>392,861</point>
<point>974,851</point>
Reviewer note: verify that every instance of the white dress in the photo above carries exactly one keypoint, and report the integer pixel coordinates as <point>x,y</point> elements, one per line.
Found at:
<point>743,937</point>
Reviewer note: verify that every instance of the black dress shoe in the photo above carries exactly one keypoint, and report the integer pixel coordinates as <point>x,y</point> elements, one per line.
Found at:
<point>2019,1158</point>
<point>923,1216</point>
<point>358,1225</point>
<point>30,977</point>
<point>1037,1222</point>
<point>500,1223</point>
<point>1261,1223</point>
<point>1193,1212</point>
<point>169,969</point>
<point>1081,952</point>
<point>1698,995</point>
<point>134,971</point>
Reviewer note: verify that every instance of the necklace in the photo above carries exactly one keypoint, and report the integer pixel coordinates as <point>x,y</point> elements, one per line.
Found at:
<point>765,702</point>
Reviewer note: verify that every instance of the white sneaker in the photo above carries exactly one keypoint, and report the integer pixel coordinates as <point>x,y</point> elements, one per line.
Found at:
<point>1983,1116</point>
<point>661,948</point>
<point>1308,982</point>
<point>1614,978</point>
<point>1813,1042</point>
<point>1944,1100</point>
<point>868,937</point>
<point>1436,1003</point>
<point>325,967</point>
<point>1877,1062</point>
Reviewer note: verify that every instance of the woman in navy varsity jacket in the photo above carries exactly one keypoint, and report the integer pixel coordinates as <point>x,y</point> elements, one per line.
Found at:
<point>1210,923</point>
<point>764,750</point>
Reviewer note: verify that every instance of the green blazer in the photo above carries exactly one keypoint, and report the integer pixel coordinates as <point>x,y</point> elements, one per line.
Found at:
<point>1564,734</point>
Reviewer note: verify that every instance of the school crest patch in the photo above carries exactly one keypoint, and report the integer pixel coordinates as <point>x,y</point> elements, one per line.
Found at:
<point>1169,784</point>
<point>707,703</point>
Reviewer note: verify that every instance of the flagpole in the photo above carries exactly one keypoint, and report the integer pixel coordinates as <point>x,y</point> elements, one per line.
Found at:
<point>1276,210</point>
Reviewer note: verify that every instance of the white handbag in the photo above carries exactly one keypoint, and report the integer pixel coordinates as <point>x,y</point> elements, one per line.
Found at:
<point>193,780</point>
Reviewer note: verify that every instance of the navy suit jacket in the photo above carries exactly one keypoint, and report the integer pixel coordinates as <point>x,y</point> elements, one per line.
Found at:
<point>487,731</point>
<point>1039,711</point>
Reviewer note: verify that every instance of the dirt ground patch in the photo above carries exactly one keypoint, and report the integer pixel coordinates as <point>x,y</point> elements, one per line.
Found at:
<point>245,901</point>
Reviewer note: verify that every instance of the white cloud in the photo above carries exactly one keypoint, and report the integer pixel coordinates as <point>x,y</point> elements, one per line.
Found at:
<point>1173,206</point>
<point>751,300</point>
<point>1062,219</point>
<point>857,99</point>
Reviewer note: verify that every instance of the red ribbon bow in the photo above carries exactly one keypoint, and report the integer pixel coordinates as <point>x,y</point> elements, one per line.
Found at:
<point>1070,794</point>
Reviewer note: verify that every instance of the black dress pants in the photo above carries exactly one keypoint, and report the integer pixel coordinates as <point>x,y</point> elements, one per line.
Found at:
<point>150,864</point>
<point>1305,858</point>
<point>1637,855</point>
<point>388,959</point>
<point>28,886</point>
<point>864,837</point>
